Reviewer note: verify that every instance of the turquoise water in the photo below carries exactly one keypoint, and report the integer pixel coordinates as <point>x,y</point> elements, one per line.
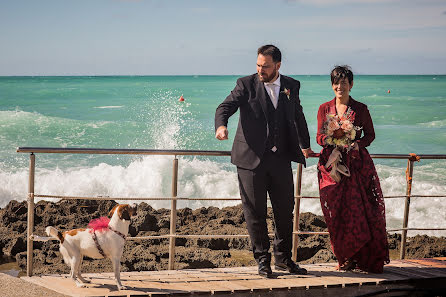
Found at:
<point>144,112</point>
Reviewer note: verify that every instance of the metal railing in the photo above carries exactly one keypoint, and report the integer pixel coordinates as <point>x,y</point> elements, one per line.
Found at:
<point>173,215</point>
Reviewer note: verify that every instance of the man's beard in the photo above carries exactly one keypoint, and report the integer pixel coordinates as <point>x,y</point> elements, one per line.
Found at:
<point>267,79</point>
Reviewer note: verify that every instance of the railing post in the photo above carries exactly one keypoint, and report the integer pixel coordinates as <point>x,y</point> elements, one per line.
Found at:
<point>173,215</point>
<point>409,174</point>
<point>29,240</point>
<point>297,210</point>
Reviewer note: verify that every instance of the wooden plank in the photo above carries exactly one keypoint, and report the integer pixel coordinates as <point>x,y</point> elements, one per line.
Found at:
<point>166,288</point>
<point>221,287</point>
<point>38,281</point>
<point>396,271</point>
<point>347,278</point>
<point>404,272</point>
<point>180,279</point>
<point>103,286</point>
<point>67,286</point>
<point>350,278</point>
<point>238,280</point>
<point>307,283</point>
<point>254,285</point>
<point>273,284</point>
<point>427,272</point>
<point>333,279</point>
<point>429,262</point>
<point>387,277</point>
<point>403,263</point>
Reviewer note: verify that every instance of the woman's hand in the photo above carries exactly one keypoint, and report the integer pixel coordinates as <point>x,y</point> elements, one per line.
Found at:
<point>355,146</point>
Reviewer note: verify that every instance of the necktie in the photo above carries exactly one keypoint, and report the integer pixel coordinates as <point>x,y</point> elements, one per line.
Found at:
<point>272,94</point>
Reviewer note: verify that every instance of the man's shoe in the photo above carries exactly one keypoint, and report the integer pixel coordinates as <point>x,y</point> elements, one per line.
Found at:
<point>265,269</point>
<point>291,267</point>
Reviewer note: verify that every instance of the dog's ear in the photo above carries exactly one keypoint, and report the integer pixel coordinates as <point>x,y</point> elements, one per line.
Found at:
<point>132,210</point>
<point>124,212</point>
<point>110,214</point>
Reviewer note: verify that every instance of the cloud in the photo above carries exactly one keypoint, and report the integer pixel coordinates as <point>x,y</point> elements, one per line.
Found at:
<point>374,19</point>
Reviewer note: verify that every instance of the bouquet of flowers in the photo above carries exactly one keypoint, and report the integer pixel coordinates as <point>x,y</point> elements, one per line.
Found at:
<point>340,131</point>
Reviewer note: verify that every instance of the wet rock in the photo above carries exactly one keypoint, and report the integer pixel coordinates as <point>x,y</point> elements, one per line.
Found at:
<point>214,243</point>
<point>15,246</point>
<point>153,254</point>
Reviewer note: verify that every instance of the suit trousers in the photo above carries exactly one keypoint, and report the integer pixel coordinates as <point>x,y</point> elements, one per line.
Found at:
<point>275,177</point>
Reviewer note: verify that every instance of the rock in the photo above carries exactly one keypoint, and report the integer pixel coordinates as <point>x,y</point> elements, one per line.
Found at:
<point>14,212</point>
<point>153,254</point>
<point>15,246</point>
<point>307,251</point>
<point>322,256</point>
<point>214,243</point>
<point>423,246</point>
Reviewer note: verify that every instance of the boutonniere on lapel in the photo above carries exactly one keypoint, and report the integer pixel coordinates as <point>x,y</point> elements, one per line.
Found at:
<point>287,92</point>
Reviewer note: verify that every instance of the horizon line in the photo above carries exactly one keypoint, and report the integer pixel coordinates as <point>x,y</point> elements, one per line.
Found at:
<point>145,75</point>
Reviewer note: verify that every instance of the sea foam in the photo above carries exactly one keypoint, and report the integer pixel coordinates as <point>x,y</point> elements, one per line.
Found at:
<point>434,124</point>
<point>151,176</point>
<point>111,106</point>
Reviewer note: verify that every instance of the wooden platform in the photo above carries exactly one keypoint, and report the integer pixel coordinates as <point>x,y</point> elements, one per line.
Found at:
<point>400,278</point>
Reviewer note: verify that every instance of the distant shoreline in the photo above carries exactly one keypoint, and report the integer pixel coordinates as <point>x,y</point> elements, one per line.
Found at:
<point>199,75</point>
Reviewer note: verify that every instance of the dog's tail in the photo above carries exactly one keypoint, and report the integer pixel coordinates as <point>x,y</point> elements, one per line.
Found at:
<point>53,232</point>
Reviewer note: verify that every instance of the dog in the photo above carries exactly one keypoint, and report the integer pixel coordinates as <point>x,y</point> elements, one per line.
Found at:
<point>104,239</point>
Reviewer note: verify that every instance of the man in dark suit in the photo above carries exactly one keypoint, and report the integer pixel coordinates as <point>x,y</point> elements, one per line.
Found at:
<point>271,133</point>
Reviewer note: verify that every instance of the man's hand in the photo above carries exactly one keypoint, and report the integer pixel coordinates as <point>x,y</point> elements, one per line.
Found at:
<point>221,133</point>
<point>307,152</point>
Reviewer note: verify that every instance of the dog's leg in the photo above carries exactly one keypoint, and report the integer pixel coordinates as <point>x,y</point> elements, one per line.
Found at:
<point>79,276</point>
<point>69,260</point>
<point>75,261</point>
<point>116,268</point>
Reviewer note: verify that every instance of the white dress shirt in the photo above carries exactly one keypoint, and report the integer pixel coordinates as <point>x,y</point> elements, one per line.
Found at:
<point>273,89</point>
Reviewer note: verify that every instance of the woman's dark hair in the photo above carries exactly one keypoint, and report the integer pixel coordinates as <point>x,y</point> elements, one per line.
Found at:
<point>270,50</point>
<point>340,72</point>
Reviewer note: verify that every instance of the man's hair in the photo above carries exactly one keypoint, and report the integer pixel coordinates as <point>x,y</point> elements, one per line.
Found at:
<point>270,50</point>
<point>340,72</point>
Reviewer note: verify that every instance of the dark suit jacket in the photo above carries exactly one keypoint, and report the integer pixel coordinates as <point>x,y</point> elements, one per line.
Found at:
<point>249,95</point>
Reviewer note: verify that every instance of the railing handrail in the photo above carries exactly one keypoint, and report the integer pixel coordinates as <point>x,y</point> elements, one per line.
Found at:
<point>411,158</point>
<point>103,151</point>
<point>198,198</point>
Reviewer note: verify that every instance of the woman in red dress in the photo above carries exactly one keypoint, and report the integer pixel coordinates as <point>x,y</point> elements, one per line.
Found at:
<point>351,196</point>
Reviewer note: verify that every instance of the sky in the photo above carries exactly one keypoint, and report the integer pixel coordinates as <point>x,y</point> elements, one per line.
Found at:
<point>212,37</point>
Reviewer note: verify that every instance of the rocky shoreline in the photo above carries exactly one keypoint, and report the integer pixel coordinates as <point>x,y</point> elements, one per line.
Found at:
<point>154,254</point>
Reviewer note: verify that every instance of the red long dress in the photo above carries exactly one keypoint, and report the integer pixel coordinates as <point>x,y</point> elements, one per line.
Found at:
<point>354,208</point>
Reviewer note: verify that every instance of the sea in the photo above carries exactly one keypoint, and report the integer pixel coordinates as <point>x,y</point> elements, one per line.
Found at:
<point>144,112</point>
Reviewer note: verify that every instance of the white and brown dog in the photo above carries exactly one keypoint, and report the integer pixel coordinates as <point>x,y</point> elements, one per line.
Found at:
<point>105,238</point>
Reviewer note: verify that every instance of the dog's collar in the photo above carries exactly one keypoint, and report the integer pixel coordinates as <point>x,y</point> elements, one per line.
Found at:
<point>117,232</point>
